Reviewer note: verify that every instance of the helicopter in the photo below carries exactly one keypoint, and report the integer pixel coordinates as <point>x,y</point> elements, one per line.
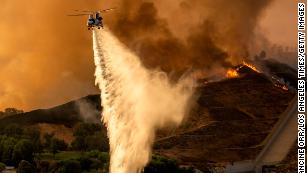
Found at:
<point>95,18</point>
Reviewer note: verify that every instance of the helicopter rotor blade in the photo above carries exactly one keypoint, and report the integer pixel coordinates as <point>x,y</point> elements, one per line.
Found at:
<point>92,11</point>
<point>78,14</point>
<point>109,9</point>
<point>85,11</point>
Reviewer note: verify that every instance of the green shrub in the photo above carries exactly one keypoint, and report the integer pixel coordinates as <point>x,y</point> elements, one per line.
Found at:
<point>164,165</point>
<point>23,150</point>
<point>94,153</point>
<point>70,166</point>
<point>25,167</point>
<point>2,167</point>
<point>43,166</point>
<point>104,157</point>
<point>85,163</point>
<point>13,130</point>
<point>57,145</point>
<point>6,149</point>
<point>90,137</point>
<point>96,164</point>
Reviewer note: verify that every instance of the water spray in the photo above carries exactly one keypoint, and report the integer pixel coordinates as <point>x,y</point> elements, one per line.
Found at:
<point>136,102</point>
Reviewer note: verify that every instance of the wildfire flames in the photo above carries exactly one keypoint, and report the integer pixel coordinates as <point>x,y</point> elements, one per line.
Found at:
<point>280,83</point>
<point>250,66</point>
<point>284,87</point>
<point>232,73</point>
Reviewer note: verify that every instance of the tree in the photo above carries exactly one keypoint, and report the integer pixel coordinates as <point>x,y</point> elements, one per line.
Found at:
<point>78,143</point>
<point>87,129</point>
<point>2,167</point>
<point>97,141</point>
<point>13,130</point>
<point>9,112</point>
<point>90,137</point>
<point>7,148</point>
<point>53,144</point>
<point>2,138</point>
<point>85,163</point>
<point>34,136</point>
<point>2,115</point>
<point>162,164</point>
<point>23,150</point>
<point>25,167</point>
<point>69,166</point>
<point>12,111</point>
<point>48,138</point>
<point>57,145</point>
<point>43,166</point>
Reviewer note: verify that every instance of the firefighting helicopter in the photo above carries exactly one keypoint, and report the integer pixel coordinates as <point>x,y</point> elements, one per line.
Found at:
<point>95,18</point>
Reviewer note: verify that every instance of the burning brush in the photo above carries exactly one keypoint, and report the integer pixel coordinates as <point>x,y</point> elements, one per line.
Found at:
<point>279,83</point>
<point>251,66</point>
<point>235,72</point>
<point>232,73</point>
<point>248,67</point>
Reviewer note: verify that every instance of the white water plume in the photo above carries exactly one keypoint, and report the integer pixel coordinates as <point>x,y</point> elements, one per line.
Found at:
<point>136,102</point>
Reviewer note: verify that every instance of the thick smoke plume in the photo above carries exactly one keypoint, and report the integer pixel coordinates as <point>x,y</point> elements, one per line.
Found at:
<point>47,53</point>
<point>176,35</point>
<point>136,102</point>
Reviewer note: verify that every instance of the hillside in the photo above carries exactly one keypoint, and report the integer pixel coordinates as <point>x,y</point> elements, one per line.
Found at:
<point>232,120</point>
<point>229,121</point>
<point>59,120</point>
<point>68,114</point>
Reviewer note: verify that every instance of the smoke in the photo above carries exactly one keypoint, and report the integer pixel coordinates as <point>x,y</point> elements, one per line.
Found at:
<point>44,55</point>
<point>187,34</point>
<point>88,111</point>
<point>136,102</point>
<point>47,53</point>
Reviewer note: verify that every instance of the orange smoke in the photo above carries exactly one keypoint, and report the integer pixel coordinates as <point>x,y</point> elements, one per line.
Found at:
<point>46,57</point>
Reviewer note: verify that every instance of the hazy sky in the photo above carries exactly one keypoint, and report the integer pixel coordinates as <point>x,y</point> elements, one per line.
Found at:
<point>46,57</point>
<point>279,22</point>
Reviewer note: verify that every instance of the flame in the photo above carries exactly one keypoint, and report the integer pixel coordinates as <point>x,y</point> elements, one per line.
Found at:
<point>232,73</point>
<point>279,83</point>
<point>235,72</point>
<point>251,66</point>
<point>283,87</point>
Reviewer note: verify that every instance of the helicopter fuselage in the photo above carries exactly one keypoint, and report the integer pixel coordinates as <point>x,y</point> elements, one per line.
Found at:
<point>95,21</point>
